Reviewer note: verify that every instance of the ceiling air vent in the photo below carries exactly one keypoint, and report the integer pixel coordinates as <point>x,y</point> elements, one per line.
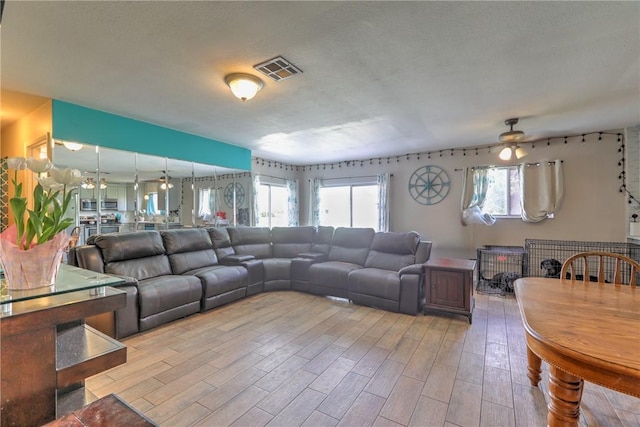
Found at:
<point>278,69</point>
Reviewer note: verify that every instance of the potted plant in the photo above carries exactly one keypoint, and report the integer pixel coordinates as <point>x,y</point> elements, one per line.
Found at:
<point>31,249</point>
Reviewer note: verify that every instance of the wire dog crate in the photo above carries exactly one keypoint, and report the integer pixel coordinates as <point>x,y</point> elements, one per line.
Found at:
<point>498,268</point>
<point>545,257</point>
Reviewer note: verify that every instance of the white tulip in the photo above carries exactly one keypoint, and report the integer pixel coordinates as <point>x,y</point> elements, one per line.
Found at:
<point>18,163</point>
<point>69,177</point>
<point>39,165</point>
<point>49,183</point>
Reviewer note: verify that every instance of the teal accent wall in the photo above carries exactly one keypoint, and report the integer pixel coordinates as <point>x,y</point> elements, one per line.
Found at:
<point>76,123</point>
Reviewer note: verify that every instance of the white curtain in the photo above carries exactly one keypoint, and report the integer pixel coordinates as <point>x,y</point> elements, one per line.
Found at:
<point>255,185</point>
<point>474,193</point>
<point>204,204</point>
<point>383,201</point>
<point>293,212</point>
<point>315,185</point>
<point>541,188</point>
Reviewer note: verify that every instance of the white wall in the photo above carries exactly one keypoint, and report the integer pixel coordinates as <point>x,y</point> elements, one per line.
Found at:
<point>592,209</point>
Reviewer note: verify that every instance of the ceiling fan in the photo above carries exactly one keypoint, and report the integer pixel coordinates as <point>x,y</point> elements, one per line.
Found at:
<point>165,183</point>
<point>511,138</point>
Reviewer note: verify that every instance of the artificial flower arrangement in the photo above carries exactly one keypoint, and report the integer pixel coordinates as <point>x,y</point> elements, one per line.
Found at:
<point>38,233</point>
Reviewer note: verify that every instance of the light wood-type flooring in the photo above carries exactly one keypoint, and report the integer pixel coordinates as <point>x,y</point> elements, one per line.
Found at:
<point>292,359</point>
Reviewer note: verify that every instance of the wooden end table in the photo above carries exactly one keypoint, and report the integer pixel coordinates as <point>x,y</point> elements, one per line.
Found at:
<point>449,286</point>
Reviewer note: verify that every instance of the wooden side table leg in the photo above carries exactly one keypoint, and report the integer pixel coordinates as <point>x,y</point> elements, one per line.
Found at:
<point>534,366</point>
<point>565,391</point>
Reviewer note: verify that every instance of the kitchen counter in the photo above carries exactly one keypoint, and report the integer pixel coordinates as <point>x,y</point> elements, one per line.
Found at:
<point>91,229</point>
<point>156,225</point>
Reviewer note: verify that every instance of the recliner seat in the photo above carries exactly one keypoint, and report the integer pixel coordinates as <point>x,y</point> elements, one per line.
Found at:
<point>190,252</point>
<point>162,295</point>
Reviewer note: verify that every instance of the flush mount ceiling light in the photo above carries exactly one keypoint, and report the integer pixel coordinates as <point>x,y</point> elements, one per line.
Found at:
<point>243,86</point>
<point>72,146</point>
<point>511,138</point>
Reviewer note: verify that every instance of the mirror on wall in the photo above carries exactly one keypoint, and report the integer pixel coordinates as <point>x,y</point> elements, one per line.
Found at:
<point>127,191</point>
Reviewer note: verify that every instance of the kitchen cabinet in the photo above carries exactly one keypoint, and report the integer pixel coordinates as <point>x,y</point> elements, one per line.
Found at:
<point>449,286</point>
<point>130,198</point>
<point>87,193</point>
<point>122,197</point>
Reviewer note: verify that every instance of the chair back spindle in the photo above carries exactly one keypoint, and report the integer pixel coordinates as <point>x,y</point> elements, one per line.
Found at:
<point>571,273</point>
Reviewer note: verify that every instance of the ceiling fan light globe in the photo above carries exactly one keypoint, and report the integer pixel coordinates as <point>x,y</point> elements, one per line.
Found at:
<point>505,153</point>
<point>520,152</point>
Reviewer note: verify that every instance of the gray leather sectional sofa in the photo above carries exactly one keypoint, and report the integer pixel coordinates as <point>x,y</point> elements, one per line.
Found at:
<point>174,273</point>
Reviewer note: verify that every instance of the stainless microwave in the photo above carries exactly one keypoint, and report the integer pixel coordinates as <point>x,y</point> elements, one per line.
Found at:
<point>105,205</point>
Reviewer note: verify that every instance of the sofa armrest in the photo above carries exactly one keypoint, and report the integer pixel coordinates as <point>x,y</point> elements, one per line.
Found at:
<point>236,259</point>
<point>128,281</point>
<point>126,319</point>
<point>89,257</point>
<point>315,256</point>
<point>423,252</point>
<point>412,269</point>
<point>300,269</point>
<point>255,270</point>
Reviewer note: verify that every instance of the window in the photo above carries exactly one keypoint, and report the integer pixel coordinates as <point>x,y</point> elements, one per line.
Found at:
<point>206,203</point>
<point>349,206</point>
<point>152,202</point>
<point>272,206</point>
<point>503,192</point>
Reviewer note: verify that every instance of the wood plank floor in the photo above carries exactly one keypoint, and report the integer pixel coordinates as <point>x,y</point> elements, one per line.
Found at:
<point>292,359</point>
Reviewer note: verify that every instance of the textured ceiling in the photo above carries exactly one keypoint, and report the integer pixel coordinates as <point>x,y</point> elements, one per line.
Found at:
<point>379,78</point>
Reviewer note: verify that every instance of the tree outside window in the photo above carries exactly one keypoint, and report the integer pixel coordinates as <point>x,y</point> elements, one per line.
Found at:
<point>503,193</point>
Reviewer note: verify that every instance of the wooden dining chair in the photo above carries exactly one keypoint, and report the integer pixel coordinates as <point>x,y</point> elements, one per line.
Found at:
<point>600,261</point>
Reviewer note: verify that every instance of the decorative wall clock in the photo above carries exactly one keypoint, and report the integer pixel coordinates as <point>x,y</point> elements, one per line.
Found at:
<point>228,195</point>
<point>429,185</point>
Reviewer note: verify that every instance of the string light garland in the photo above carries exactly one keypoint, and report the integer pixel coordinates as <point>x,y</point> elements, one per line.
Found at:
<point>622,176</point>
<point>440,153</point>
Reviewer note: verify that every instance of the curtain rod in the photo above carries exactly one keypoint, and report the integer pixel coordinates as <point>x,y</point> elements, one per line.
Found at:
<point>274,177</point>
<point>353,177</point>
<point>550,162</point>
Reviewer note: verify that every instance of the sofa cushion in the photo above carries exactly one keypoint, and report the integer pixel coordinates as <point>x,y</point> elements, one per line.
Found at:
<point>351,245</point>
<point>221,242</point>
<point>277,269</point>
<point>167,292</point>
<point>392,251</point>
<point>140,268</point>
<point>288,242</point>
<point>188,249</point>
<point>322,239</point>
<point>251,241</point>
<point>126,246</point>
<point>377,282</point>
<point>219,279</point>
<point>332,274</point>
